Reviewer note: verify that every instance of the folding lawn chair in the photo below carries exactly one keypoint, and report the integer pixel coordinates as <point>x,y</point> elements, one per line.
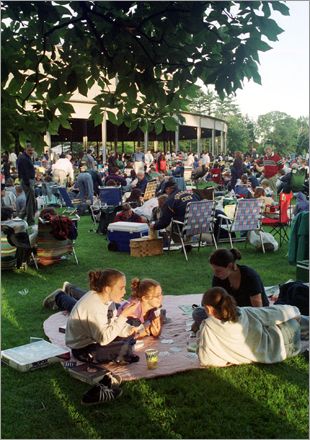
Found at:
<point>150,190</point>
<point>280,221</point>
<point>199,219</point>
<point>247,217</point>
<point>110,195</point>
<point>18,241</point>
<point>51,250</point>
<point>71,205</point>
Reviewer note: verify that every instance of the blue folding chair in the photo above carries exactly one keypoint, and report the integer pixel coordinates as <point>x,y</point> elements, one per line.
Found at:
<point>70,204</point>
<point>110,195</point>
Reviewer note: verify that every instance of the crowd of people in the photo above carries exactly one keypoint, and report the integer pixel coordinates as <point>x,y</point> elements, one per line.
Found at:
<point>234,323</point>
<point>27,176</point>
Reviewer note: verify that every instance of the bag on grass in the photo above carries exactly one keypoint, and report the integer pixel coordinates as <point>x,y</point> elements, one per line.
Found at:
<point>270,243</point>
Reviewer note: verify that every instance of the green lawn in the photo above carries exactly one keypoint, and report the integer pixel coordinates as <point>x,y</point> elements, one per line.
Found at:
<point>253,401</point>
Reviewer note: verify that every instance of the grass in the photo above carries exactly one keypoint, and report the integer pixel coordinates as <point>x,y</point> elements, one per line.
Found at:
<point>252,401</point>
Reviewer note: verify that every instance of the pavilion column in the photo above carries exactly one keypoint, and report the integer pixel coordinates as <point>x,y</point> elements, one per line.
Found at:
<point>146,142</point>
<point>85,137</point>
<point>222,143</point>
<point>104,137</point>
<point>213,142</point>
<point>155,145</point>
<point>176,139</point>
<point>225,142</point>
<point>199,138</point>
<point>48,141</point>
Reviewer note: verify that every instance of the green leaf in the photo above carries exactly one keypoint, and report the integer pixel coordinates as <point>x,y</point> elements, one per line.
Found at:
<point>72,81</point>
<point>281,7</point>
<point>82,86</point>
<point>16,83</point>
<point>132,93</point>
<point>26,89</point>
<point>54,90</point>
<point>64,122</point>
<point>158,127</point>
<point>53,126</point>
<point>98,118</point>
<point>112,118</point>
<point>133,126</point>
<point>170,123</point>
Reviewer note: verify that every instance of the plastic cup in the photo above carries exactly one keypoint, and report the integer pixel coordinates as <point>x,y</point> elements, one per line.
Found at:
<point>151,358</point>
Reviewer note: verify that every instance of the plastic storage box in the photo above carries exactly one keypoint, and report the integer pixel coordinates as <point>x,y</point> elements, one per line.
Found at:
<point>120,234</point>
<point>35,355</point>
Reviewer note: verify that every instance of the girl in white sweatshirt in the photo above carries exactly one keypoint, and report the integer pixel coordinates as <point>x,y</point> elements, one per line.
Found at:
<point>94,332</point>
<point>242,335</point>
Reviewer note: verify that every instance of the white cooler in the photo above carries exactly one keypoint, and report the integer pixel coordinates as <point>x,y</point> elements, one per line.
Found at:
<point>120,234</point>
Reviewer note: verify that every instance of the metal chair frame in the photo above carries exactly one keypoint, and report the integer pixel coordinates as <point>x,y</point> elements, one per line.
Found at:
<point>198,219</point>
<point>252,209</point>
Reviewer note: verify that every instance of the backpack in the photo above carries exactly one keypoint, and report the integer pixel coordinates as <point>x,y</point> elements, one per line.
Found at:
<point>107,216</point>
<point>295,293</point>
<point>82,209</point>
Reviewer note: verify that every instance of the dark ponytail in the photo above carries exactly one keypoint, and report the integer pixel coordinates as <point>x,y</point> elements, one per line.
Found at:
<point>223,257</point>
<point>98,279</point>
<point>224,304</point>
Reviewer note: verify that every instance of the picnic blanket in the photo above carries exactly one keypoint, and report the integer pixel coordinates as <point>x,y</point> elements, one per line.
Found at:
<point>172,344</point>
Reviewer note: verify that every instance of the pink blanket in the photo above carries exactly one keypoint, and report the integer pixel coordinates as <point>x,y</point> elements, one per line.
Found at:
<point>172,344</point>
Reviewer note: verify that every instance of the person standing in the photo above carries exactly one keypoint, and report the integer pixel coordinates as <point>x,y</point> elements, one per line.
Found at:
<point>62,170</point>
<point>138,159</point>
<point>26,174</point>
<point>84,183</point>
<point>272,163</point>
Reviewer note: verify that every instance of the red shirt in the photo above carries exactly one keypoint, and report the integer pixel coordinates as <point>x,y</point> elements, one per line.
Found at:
<point>272,165</point>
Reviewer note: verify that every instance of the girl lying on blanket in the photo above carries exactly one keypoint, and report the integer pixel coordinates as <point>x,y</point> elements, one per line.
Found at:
<point>147,296</point>
<point>243,335</point>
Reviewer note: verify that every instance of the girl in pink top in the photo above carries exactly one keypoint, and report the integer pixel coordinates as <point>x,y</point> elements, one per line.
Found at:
<point>147,294</point>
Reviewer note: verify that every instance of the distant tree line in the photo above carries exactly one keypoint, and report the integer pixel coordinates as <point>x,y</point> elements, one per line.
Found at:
<point>287,134</point>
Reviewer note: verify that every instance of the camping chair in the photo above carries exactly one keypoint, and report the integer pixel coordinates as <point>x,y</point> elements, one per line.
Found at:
<point>16,245</point>
<point>110,195</point>
<point>150,189</point>
<point>247,217</point>
<point>297,181</point>
<point>8,253</point>
<point>70,208</point>
<point>49,249</point>
<point>198,219</point>
<point>279,222</point>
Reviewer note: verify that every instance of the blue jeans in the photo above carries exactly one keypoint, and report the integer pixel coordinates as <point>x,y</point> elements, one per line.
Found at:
<point>66,301</point>
<point>199,314</point>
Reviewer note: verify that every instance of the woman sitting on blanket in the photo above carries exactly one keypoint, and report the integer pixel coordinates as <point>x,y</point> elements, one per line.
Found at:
<point>235,335</point>
<point>241,282</point>
<point>95,331</point>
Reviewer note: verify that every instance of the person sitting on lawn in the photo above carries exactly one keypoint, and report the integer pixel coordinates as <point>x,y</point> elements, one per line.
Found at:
<point>232,335</point>
<point>128,215</point>
<point>94,331</point>
<point>147,315</point>
<point>241,282</point>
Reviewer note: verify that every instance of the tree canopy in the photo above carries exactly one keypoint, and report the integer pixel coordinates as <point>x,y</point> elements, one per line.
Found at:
<point>157,51</point>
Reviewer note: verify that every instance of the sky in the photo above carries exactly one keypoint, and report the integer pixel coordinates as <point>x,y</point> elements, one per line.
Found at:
<point>284,69</point>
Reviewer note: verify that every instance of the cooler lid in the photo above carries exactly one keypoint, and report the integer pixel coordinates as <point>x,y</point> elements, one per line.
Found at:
<point>128,227</point>
<point>33,352</point>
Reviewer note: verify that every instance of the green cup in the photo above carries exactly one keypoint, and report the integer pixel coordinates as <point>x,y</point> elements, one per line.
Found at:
<point>151,358</point>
